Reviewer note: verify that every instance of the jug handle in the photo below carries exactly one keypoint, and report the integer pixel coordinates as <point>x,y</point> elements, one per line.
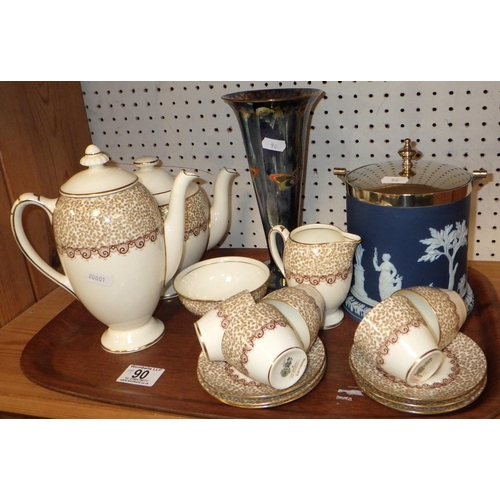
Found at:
<point>16,220</point>
<point>274,232</point>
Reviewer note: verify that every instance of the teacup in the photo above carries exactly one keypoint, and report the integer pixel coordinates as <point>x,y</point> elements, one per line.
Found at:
<point>395,337</point>
<point>444,310</point>
<point>320,255</point>
<point>211,326</point>
<point>260,343</point>
<point>303,306</point>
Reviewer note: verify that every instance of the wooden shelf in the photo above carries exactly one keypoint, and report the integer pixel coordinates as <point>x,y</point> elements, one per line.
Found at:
<point>20,396</point>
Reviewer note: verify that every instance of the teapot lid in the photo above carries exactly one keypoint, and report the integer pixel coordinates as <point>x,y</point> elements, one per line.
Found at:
<point>97,178</point>
<point>409,183</point>
<point>155,178</point>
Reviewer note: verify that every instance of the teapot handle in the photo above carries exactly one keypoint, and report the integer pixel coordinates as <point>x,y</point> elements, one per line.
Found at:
<point>16,220</point>
<point>283,232</point>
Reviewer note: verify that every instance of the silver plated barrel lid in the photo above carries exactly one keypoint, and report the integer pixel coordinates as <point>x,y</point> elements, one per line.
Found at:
<point>409,183</point>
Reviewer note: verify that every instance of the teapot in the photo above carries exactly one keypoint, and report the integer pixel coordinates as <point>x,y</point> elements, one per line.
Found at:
<point>205,225</point>
<point>116,251</point>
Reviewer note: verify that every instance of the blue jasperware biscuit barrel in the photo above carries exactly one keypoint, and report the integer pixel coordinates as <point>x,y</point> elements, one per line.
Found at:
<point>413,219</point>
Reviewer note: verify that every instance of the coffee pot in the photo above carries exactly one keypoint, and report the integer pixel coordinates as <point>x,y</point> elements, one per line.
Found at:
<point>116,251</point>
<point>205,224</point>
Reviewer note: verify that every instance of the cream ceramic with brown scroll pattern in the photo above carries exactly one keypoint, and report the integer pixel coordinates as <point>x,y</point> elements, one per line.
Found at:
<point>301,309</point>
<point>197,215</point>
<point>111,241</point>
<point>202,286</point>
<point>320,255</point>
<point>98,226</point>
<point>260,343</point>
<point>196,231</point>
<point>205,224</point>
<point>443,310</point>
<point>459,381</point>
<point>394,336</point>
<point>211,326</point>
<point>234,388</point>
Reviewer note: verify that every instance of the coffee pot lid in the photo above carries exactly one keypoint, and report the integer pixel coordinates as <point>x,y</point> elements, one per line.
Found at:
<point>98,178</point>
<point>410,183</point>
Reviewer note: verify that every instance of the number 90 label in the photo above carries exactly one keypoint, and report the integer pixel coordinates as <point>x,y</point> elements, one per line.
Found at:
<point>140,375</point>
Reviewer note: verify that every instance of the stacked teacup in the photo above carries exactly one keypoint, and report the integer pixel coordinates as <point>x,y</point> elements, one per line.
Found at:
<point>405,334</point>
<point>266,340</point>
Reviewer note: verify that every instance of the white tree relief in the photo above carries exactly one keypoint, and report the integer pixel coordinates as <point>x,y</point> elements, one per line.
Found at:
<point>446,242</point>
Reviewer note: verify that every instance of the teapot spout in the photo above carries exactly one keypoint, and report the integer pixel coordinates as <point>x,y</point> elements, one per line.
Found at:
<point>175,223</point>
<point>219,211</point>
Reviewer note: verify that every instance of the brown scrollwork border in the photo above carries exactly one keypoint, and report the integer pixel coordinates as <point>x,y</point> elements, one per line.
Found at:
<point>106,250</point>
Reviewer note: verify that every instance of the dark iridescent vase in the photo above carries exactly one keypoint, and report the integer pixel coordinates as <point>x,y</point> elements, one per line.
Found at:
<point>275,125</point>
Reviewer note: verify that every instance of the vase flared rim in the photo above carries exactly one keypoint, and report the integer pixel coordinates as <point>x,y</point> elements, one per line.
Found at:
<point>274,95</point>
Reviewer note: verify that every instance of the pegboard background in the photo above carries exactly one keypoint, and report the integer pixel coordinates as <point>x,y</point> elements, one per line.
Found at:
<point>187,125</point>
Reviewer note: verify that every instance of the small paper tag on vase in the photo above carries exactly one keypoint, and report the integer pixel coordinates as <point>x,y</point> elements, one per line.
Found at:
<point>274,144</point>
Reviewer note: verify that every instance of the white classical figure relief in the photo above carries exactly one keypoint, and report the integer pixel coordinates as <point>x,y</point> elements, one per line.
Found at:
<point>358,302</point>
<point>446,242</point>
<point>389,279</point>
<point>358,287</point>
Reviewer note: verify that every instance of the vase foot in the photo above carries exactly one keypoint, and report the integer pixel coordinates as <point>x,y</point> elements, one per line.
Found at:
<point>276,280</point>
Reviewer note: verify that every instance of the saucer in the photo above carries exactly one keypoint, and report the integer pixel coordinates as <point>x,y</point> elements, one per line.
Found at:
<point>416,402</point>
<point>426,408</point>
<point>234,388</point>
<point>457,383</point>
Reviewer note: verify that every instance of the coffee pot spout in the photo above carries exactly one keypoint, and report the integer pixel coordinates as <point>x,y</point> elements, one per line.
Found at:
<point>175,223</point>
<point>219,211</point>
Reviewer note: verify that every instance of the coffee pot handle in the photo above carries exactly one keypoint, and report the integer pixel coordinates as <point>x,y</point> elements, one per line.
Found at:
<point>274,249</point>
<point>16,220</point>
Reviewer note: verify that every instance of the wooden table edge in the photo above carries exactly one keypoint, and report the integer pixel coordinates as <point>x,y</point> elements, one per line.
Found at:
<point>19,397</point>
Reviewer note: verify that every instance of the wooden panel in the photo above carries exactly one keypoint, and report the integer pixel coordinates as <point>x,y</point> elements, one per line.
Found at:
<point>43,134</point>
<point>16,292</point>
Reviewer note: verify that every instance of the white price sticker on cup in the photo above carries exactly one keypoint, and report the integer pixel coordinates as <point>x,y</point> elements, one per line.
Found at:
<point>274,144</point>
<point>140,375</point>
